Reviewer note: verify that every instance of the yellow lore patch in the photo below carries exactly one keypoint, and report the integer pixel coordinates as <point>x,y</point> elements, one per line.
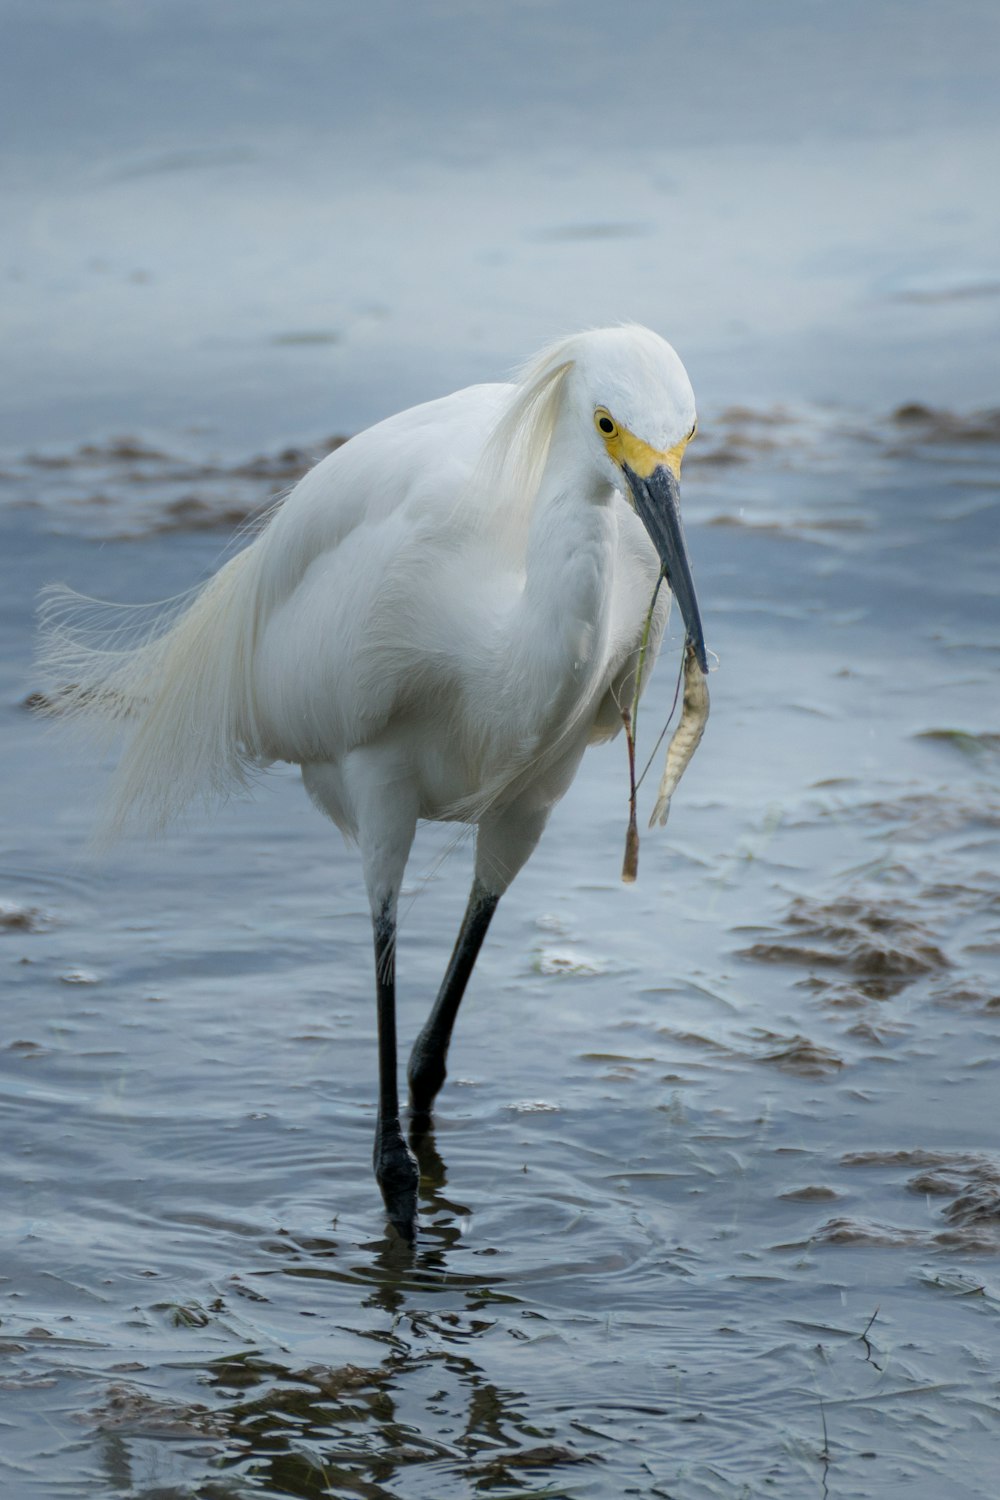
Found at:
<point>625,448</point>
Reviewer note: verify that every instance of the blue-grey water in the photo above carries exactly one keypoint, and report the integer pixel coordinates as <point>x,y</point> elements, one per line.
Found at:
<point>713,1206</point>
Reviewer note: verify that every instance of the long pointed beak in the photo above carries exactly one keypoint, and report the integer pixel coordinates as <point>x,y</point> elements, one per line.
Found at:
<point>657,500</point>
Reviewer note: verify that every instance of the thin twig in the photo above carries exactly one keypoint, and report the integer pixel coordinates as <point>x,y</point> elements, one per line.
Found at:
<point>824,1457</point>
<point>673,710</point>
<point>863,1336</point>
<point>630,863</point>
<point>643,648</point>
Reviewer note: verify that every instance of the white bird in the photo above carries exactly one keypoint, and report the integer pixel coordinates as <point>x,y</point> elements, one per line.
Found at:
<point>434,624</point>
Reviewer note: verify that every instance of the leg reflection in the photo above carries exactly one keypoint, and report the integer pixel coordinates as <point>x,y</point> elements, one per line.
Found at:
<point>433,1178</point>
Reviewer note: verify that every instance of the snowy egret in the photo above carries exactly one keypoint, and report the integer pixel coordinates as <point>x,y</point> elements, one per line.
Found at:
<point>434,624</point>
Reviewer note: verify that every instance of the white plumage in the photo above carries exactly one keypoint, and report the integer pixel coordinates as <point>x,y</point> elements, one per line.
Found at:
<point>434,624</point>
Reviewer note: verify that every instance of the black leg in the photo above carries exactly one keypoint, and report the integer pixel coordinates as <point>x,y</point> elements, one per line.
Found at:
<point>395,1165</point>
<point>427,1069</point>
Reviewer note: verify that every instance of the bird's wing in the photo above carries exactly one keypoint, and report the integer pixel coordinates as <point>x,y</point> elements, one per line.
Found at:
<point>357,566</point>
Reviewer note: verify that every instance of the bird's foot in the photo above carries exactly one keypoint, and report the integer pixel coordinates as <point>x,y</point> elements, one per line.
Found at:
<point>398,1177</point>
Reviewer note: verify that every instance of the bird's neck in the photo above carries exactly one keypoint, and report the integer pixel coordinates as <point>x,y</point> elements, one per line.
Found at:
<point>561,631</point>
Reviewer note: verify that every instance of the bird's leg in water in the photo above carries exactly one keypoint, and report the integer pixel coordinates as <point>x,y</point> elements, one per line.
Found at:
<point>428,1060</point>
<point>395,1167</point>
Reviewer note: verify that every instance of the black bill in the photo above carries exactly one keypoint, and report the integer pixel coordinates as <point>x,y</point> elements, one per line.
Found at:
<point>657,501</point>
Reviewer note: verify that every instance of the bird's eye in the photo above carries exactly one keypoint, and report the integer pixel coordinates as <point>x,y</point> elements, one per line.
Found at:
<point>605,424</point>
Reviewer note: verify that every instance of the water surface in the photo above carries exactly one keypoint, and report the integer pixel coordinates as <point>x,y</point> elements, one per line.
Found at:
<point>712,1207</point>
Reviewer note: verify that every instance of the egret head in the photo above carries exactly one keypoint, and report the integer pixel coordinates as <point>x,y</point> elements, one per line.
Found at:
<point>640,407</point>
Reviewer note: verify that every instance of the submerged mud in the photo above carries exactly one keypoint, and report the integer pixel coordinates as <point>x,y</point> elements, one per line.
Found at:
<point>131,486</point>
<point>126,487</point>
<point>879,947</point>
<point>966,1219</point>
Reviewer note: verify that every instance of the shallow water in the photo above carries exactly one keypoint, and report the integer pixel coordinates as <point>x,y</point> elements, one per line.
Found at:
<point>699,1134</point>
<point>713,1205</point>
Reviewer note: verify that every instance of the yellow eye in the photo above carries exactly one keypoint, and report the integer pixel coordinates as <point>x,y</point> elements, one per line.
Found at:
<point>604,423</point>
